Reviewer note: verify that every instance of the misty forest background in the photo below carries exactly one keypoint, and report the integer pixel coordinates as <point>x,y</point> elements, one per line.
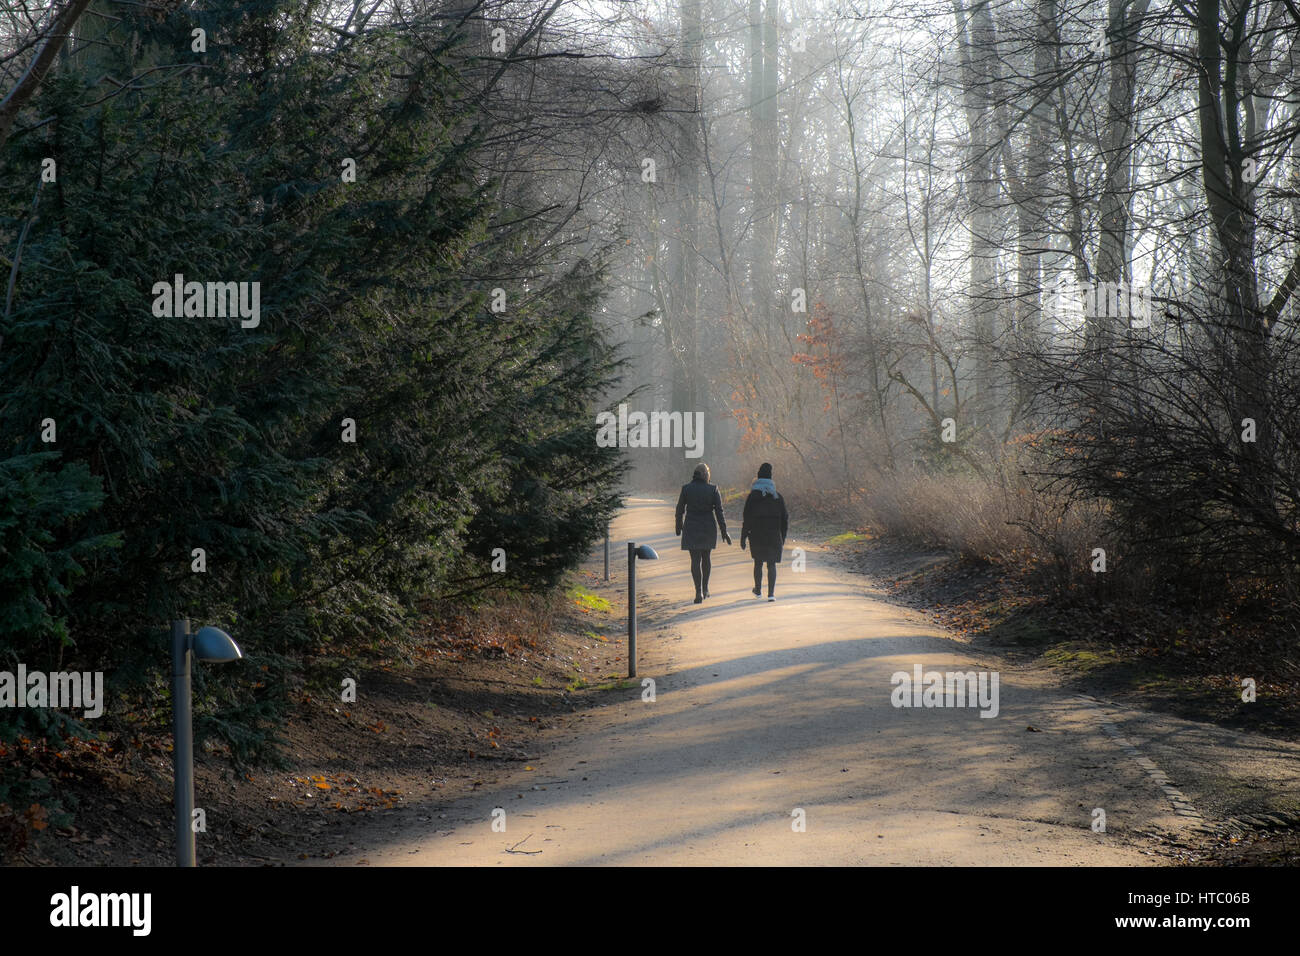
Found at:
<point>837,229</point>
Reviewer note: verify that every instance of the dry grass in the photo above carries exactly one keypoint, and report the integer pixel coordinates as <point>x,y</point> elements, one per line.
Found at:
<point>504,624</point>
<point>1001,518</point>
<point>998,517</point>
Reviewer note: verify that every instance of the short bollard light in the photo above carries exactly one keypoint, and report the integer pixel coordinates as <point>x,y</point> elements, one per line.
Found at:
<point>645,553</point>
<point>213,646</point>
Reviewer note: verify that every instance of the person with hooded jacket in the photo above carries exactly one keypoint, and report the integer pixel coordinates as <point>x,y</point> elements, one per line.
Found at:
<point>764,524</point>
<point>699,516</point>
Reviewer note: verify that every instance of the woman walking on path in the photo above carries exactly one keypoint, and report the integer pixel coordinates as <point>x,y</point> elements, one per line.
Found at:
<point>697,506</point>
<point>764,524</point>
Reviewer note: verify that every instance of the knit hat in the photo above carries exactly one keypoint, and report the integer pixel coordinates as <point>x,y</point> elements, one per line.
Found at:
<point>765,470</point>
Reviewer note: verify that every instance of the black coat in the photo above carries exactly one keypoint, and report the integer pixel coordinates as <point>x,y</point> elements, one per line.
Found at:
<point>764,524</point>
<point>697,505</point>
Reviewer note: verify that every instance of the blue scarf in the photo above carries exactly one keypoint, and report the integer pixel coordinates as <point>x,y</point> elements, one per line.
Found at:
<point>764,485</point>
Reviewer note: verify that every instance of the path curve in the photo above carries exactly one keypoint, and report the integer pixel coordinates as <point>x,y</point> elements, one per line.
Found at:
<point>764,709</point>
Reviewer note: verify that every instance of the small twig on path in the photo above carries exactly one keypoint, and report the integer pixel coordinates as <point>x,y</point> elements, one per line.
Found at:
<point>524,840</point>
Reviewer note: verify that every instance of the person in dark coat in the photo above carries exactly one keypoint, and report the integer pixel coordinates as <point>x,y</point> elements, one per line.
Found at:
<point>699,517</point>
<point>764,524</point>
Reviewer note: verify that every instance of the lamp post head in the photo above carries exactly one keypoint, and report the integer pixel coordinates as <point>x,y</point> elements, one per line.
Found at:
<point>214,646</point>
<point>647,553</point>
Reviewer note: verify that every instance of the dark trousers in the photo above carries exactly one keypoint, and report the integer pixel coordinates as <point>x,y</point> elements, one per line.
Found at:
<point>701,565</point>
<point>771,576</point>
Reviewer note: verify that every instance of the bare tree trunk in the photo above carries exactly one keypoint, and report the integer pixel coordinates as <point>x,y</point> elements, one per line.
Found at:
<point>977,51</point>
<point>1032,206</point>
<point>763,151</point>
<point>55,36</point>
<point>1231,208</point>
<point>689,391</point>
<point>1117,158</point>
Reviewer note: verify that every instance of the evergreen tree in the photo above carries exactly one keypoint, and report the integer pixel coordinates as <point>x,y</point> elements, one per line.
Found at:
<point>473,429</point>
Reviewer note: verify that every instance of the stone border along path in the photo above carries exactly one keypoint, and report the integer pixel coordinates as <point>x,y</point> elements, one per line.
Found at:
<point>1181,803</point>
<point>1237,826</point>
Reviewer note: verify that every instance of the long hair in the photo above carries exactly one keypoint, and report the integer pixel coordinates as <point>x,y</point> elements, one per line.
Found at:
<point>701,471</point>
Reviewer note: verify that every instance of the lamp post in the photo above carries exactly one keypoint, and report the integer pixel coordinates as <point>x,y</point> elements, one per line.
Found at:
<point>645,553</point>
<point>216,647</point>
